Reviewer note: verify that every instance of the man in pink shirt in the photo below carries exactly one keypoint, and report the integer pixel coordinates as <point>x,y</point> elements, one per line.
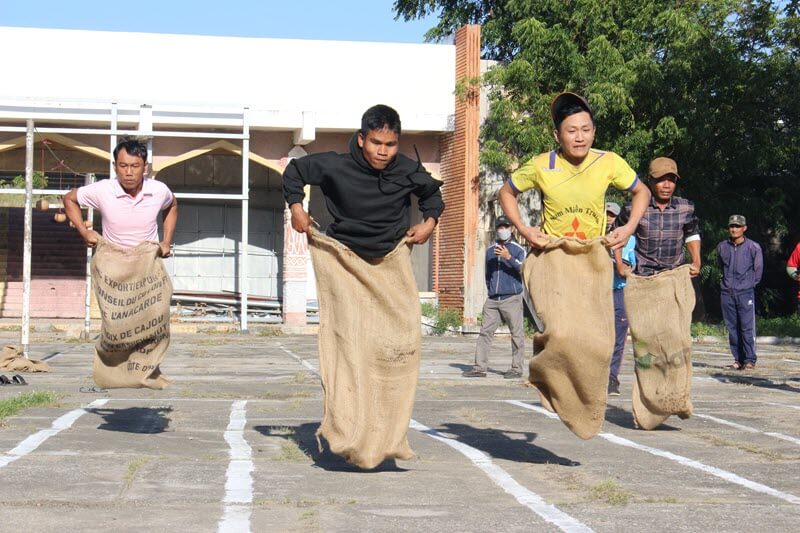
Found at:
<point>129,204</point>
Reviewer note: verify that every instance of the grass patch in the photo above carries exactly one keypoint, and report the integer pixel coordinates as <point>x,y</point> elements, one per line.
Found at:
<point>787,326</point>
<point>291,452</point>
<point>12,406</point>
<point>472,415</point>
<point>300,377</point>
<point>269,332</point>
<point>707,329</point>
<point>11,327</point>
<point>443,319</point>
<point>749,448</point>
<point>134,467</point>
<point>609,492</point>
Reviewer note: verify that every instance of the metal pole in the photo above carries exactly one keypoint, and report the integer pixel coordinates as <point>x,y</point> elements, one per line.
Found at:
<point>113,138</point>
<point>87,317</point>
<point>243,269</point>
<point>26,251</point>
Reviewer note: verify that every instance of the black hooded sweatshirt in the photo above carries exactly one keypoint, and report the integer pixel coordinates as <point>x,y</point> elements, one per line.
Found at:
<point>369,207</point>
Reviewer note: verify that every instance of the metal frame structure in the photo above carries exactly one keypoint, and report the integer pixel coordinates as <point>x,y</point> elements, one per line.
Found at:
<point>144,116</point>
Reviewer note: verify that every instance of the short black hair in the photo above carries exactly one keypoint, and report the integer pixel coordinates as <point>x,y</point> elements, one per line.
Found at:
<point>568,111</point>
<point>379,117</point>
<point>133,146</point>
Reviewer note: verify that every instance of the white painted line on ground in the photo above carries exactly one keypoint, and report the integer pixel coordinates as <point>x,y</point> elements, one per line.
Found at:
<point>299,359</point>
<point>499,476</point>
<point>723,474</point>
<point>784,405</point>
<point>503,479</point>
<point>34,441</point>
<point>748,428</point>
<point>792,360</point>
<point>685,461</point>
<point>239,479</point>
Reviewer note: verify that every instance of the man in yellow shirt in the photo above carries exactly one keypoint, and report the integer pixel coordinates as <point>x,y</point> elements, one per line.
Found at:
<point>573,180</point>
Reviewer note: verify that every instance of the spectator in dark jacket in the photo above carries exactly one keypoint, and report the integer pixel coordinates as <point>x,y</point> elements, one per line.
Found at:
<point>742,264</point>
<point>504,284</point>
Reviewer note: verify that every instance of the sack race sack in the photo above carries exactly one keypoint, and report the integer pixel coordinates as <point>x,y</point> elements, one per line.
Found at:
<point>659,311</point>
<point>12,360</point>
<point>369,350</point>
<point>570,283</point>
<point>133,293</point>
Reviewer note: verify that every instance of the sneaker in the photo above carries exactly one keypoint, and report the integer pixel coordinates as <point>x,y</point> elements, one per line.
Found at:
<point>512,374</point>
<point>476,372</point>
<point>613,386</point>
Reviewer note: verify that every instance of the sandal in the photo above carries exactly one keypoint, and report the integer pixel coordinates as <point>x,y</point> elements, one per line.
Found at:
<point>16,379</point>
<point>749,366</point>
<point>4,380</point>
<point>735,366</point>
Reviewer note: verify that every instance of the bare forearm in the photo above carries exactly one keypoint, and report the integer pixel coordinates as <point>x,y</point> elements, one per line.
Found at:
<point>73,210</point>
<point>508,202</point>
<point>170,221</point>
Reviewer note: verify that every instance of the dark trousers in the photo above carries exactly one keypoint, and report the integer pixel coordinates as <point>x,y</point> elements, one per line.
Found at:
<point>739,312</point>
<point>620,331</point>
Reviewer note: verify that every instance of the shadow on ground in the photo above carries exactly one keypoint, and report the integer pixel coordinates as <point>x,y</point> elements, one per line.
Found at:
<point>463,368</point>
<point>304,436</point>
<point>134,419</point>
<point>624,419</point>
<point>755,381</point>
<point>499,444</point>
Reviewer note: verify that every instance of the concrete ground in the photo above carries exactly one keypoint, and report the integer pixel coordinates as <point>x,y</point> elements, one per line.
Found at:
<point>230,446</point>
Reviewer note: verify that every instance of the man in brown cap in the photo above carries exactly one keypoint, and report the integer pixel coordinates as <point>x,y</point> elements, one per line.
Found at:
<point>668,223</point>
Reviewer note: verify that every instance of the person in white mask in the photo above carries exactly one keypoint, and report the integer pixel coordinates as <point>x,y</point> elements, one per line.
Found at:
<point>504,304</point>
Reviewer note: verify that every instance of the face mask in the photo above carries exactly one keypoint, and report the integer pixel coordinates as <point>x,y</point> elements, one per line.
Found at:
<point>503,234</point>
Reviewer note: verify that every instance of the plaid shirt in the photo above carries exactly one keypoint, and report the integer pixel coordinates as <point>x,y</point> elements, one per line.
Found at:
<point>661,235</point>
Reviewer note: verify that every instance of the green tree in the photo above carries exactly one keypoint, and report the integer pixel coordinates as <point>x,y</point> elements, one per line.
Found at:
<point>708,83</point>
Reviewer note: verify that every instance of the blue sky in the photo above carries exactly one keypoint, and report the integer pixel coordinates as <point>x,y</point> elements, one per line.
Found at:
<point>351,20</point>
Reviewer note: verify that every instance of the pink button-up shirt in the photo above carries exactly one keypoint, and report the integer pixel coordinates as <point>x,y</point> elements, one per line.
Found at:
<point>127,221</point>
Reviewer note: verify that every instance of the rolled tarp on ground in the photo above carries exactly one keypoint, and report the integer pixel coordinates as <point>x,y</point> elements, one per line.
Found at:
<point>659,309</point>
<point>569,281</point>
<point>369,348</point>
<point>133,293</point>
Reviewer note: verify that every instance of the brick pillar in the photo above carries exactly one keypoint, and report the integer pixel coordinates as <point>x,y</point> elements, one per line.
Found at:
<point>457,237</point>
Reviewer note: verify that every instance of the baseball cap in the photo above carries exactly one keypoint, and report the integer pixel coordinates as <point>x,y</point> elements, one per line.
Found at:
<point>564,100</point>
<point>737,220</point>
<point>502,220</point>
<point>613,208</point>
<point>663,166</point>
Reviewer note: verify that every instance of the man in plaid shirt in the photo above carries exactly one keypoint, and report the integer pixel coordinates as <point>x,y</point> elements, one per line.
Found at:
<point>668,223</point>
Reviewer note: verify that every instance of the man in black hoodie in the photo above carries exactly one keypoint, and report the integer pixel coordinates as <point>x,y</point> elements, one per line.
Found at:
<point>370,335</point>
<point>367,191</point>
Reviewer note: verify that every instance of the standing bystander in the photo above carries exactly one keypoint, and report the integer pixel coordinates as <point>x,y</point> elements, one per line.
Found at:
<point>504,303</point>
<point>624,260</point>
<point>793,269</point>
<point>742,265</point>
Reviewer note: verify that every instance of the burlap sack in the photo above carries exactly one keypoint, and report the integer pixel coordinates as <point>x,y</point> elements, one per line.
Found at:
<point>133,293</point>
<point>12,360</point>
<point>369,348</point>
<point>659,311</point>
<point>570,284</point>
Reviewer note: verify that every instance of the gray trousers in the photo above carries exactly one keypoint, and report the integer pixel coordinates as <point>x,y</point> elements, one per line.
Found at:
<point>494,313</point>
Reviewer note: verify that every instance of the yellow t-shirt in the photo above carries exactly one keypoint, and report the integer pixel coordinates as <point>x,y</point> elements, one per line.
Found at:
<point>574,197</point>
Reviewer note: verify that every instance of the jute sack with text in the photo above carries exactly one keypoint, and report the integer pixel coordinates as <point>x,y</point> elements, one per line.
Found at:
<point>659,312</point>
<point>12,360</point>
<point>569,281</point>
<point>369,348</point>
<point>133,293</point>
